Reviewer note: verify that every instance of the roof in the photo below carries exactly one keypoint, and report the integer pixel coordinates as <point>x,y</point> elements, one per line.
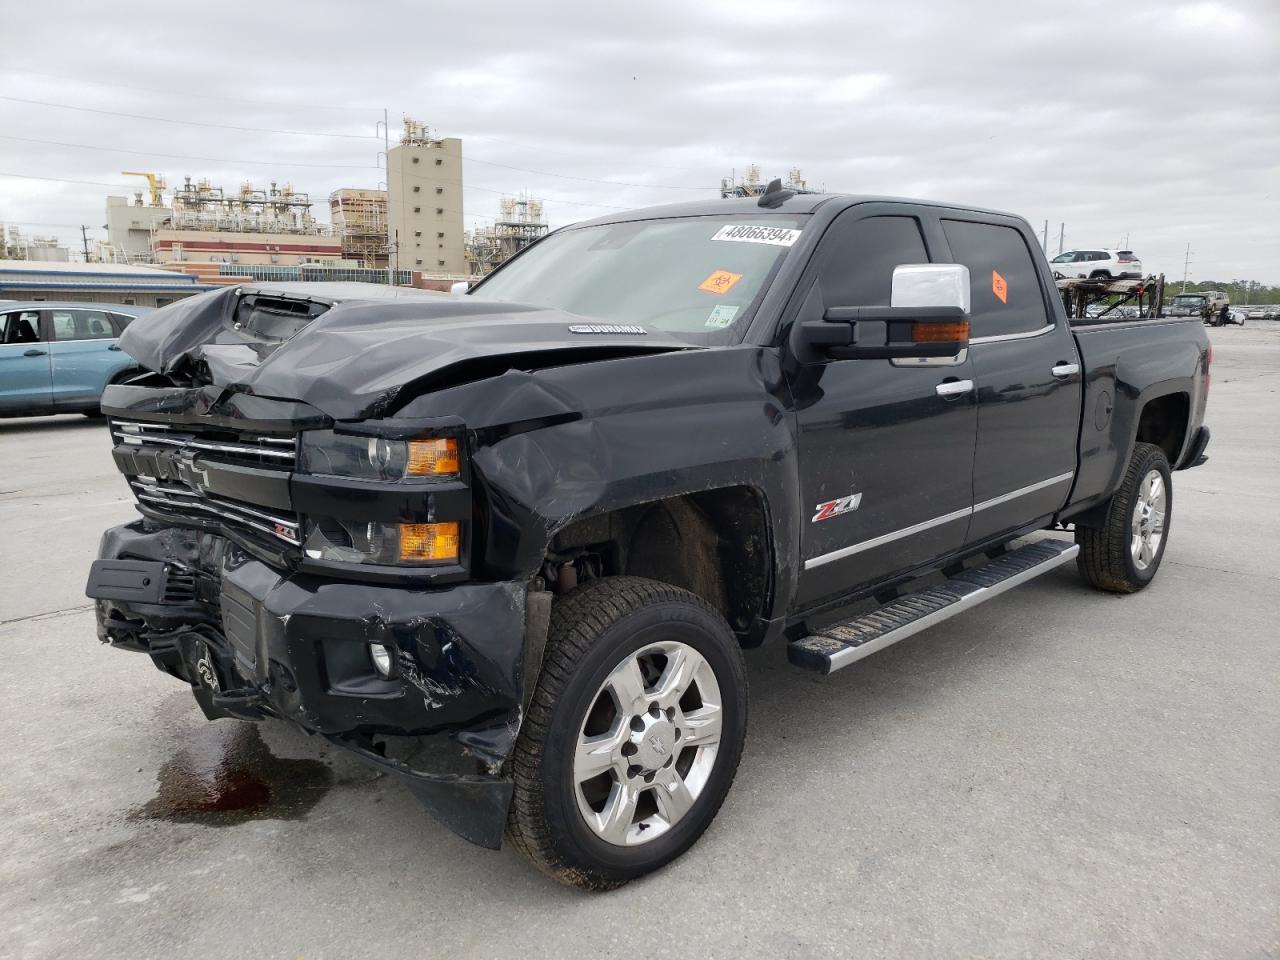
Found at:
<point>89,269</point>
<point>800,203</point>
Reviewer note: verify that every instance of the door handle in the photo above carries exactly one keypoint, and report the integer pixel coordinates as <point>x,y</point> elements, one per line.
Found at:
<point>34,353</point>
<point>954,388</point>
<point>114,346</point>
<point>1064,370</point>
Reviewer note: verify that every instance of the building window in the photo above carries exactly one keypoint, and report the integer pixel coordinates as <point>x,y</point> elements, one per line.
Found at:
<point>439,236</point>
<point>129,301</point>
<point>417,233</point>
<point>439,210</point>
<point>417,263</point>
<point>440,262</point>
<point>415,159</point>
<point>439,161</point>
<point>417,209</point>
<point>417,189</point>
<point>439,189</point>
<point>163,301</point>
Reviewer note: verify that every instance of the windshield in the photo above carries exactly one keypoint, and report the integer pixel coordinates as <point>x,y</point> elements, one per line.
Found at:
<point>697,277</point>
<point>1064,257</point>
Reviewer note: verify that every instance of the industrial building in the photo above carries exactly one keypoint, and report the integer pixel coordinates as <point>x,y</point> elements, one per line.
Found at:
<point>15,245</point>
<point>360,222</point>
<point>94,282</point>
<point>520,224</point>
<point>424,185</point>
<point>753,185</point>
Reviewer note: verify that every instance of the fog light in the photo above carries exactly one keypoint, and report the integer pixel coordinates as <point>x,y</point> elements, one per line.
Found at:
<point>381,658</point>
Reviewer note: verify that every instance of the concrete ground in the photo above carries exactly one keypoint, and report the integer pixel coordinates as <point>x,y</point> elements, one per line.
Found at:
<point>1057,773</point>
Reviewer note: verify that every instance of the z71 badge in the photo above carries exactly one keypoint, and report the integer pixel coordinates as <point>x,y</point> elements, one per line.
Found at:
<point>833,508</point>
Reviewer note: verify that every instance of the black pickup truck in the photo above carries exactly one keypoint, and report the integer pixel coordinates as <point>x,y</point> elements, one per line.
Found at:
<point>509,547</point>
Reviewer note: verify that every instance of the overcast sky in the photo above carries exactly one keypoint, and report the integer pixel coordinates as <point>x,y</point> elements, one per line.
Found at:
<point>1155,122</point>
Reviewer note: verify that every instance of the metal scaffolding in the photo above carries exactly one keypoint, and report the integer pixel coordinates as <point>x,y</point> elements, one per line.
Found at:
<point>521,223</point>
<point>279,209</point>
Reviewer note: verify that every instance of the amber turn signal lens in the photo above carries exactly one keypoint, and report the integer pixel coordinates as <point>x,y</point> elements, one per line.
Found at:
<point>428,542</point>
<point>437,457</point>
<point>957,332</point>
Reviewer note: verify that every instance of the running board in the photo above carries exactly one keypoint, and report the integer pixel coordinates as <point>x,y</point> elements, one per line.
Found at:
<point>844,643</point>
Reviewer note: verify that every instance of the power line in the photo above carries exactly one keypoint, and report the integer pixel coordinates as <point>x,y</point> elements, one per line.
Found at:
<point>91,183</point>
<point>189,123</point>
<point>180,156</point>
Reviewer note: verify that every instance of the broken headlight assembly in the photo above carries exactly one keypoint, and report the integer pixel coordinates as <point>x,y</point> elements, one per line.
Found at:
<point>388,460</point>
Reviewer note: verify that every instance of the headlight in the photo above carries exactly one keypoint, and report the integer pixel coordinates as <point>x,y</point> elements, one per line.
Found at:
<point>333,454</point>
<point>392,544</point>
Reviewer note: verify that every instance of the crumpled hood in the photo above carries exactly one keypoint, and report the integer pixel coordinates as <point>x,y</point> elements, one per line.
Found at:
<point>365,357</point>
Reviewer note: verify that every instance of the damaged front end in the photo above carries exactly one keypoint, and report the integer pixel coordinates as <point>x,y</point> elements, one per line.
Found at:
<point>278,587</point>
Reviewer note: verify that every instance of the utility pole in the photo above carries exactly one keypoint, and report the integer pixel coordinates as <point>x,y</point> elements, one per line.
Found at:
<point>1186,269</point>
<point>1062,233</point>
<point>85,239</point>
<point>1044,238</point>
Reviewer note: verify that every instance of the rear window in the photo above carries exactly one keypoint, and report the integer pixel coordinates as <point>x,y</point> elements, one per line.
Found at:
<point>1005,294</point>
<point>1125,256</point>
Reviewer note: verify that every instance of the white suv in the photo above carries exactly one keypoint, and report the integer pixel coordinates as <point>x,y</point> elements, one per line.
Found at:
<point>1098,264</point>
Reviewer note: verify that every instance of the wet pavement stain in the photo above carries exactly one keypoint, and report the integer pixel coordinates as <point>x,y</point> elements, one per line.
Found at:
<point>224,775</point>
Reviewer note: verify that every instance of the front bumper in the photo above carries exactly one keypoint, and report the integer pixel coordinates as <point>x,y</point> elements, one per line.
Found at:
<point>254,642</point>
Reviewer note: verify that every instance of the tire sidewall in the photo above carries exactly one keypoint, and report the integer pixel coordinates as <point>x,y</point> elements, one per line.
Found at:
<point>1154,460</point>
<point>671,620</point>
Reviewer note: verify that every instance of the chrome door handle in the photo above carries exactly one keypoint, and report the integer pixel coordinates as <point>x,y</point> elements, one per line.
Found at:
<point>1064,370</point>
<point>34,353</point>
<point>954,388</point>
<point>114,346</point>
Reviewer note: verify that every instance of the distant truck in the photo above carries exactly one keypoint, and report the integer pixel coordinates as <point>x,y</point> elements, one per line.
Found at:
<point>537,524</point>
<point>1212,306</point>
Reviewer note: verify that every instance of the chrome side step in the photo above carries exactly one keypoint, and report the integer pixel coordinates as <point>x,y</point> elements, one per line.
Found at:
<point>841,644</point>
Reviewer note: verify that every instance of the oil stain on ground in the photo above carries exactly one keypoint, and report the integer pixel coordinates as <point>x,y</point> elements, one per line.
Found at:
<point>224,775</point>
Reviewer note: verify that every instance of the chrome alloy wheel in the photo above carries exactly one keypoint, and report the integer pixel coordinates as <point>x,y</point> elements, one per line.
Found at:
<point>648,744</point>
<point>1149,513</point>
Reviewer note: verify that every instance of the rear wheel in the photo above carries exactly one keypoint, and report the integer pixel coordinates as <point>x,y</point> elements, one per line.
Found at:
<point>633,735</point>
<point>1123,555</point>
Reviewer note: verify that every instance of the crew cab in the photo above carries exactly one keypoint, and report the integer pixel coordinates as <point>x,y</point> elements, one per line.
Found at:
<point>1212,306</point>
<point>59,357</point>
<point>534,527</point>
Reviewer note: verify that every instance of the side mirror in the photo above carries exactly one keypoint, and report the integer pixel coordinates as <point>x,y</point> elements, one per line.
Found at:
<point>928,317</point>
<point>462,286</point>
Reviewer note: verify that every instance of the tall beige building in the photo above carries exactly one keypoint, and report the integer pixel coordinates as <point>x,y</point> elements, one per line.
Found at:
<point>425,202</point>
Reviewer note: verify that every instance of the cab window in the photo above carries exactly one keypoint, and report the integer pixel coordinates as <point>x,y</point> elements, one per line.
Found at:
<point>1005,294</point>
<point>857,257</point>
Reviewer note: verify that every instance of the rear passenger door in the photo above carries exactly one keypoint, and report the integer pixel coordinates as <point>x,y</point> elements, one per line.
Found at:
<point>1027,373</point>
<point>24,364</point>
<point>84,354</point>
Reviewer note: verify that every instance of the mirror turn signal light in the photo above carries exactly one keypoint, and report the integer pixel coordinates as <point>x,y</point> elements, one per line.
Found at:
<point>437,457</point>
<point>949,332</point>
<point>429,542</point>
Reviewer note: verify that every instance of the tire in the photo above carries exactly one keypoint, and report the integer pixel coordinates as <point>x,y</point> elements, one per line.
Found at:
<point>1099,275</point>
<point>596,632</point>
<point>1111,556</point>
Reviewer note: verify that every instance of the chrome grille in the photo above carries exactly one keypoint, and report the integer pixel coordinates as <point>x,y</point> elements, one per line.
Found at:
<point>166,495</point>
<point>241,448</point>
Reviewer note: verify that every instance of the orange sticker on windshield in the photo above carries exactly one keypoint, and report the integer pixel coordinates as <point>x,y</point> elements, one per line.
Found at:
<point>721,281</point>
<point>999,287</point>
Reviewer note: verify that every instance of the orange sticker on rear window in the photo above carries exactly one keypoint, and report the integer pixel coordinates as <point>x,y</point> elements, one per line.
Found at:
<point>721,281</point>
<point>999,287</point>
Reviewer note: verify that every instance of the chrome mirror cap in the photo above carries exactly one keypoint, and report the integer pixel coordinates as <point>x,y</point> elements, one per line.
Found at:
<point>931,285</point>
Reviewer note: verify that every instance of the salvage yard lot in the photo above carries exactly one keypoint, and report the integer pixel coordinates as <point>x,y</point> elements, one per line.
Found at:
<point>1055,773</point>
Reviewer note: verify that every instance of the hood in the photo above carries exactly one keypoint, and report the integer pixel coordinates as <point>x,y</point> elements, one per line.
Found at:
<point>366,354</point>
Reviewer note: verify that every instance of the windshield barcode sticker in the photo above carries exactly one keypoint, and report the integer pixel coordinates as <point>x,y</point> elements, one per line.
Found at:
<point>753,233</point>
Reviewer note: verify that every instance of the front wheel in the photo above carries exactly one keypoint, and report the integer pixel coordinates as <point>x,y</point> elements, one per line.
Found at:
<point>1123,555</point>
<point>633,734</point>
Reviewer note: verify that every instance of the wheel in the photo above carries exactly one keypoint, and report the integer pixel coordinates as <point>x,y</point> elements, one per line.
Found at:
<point>1099,275</point>
<point>633,734</point>
<point>1123,555</point>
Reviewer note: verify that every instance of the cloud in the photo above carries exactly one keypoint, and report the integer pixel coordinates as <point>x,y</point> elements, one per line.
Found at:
<point>1156,122</point>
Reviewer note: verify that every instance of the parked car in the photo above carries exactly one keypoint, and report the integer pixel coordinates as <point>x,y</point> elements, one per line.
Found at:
<point>58,357</point>
<point>1208,305</point>
<point>538,524</point>
<point>1258,313</point>
<point>1097,264</point>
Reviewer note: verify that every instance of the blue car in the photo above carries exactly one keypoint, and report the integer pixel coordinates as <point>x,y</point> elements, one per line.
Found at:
<point>59,357</point>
